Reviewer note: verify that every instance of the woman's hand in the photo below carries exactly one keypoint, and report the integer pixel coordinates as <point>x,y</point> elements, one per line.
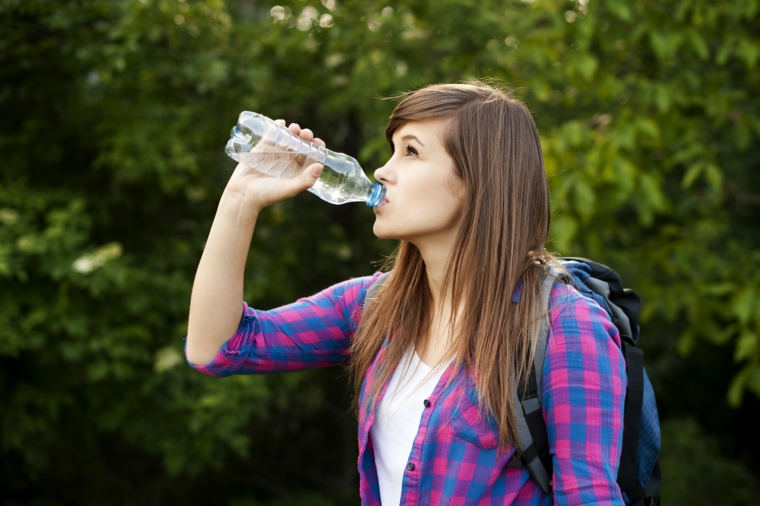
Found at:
<point>257,190</point>
<point>216,302</point>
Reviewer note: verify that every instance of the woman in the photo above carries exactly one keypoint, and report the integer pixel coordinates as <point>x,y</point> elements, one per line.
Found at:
<point>437,352</point>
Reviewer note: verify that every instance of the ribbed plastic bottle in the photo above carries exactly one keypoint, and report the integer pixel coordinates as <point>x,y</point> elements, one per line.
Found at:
<point>273,149</point>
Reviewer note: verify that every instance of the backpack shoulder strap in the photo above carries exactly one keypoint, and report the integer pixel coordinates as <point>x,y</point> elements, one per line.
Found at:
<point>549,279</point>
<point>374,288</point>
<point>533,439</point>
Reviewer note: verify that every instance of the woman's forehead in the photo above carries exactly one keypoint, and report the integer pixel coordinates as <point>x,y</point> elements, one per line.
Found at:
<point>425,132</point>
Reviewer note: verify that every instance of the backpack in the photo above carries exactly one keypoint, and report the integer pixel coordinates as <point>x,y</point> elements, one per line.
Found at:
<point>639,474</point>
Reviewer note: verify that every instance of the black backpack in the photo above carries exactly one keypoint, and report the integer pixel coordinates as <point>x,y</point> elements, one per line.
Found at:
<point>639,475</point>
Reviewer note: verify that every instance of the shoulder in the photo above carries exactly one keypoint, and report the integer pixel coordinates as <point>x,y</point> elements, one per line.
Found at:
<point>584,364</point>
<point>374,282</point>
<point>354,289</point>
<point>577,323</point>
<point>348,296</point>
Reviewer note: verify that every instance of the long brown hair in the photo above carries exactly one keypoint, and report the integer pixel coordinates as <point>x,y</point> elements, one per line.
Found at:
<point>495,146</point>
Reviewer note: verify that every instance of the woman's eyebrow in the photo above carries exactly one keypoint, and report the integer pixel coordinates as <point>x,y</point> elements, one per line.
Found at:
<point>410,136</point>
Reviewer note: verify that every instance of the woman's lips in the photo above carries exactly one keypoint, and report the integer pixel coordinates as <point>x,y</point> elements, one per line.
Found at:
<point>381,204</point>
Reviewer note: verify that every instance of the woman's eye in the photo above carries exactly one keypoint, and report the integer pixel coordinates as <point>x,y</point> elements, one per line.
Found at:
<point>411,151</point>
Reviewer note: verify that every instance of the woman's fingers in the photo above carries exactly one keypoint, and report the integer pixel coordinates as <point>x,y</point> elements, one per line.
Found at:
<point>313,171</point>
<point>307,178</point>
<point>307,134</point>
<point>304,181</point>
<point>304,133</point>
<point>311,174</point>
<point>270,135</point>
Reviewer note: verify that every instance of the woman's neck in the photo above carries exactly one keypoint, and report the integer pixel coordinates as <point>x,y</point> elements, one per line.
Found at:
<point>435,252</point>
<point>435,346</point>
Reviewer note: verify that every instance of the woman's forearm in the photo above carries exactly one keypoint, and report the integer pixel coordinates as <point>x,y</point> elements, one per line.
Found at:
<point>216,301</point>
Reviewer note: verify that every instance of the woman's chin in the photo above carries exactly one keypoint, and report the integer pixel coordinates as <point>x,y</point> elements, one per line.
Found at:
<point>383,232</point>
<point>379,233</point>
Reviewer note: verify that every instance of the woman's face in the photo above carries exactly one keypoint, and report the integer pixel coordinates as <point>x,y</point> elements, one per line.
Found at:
<point>424,196</point>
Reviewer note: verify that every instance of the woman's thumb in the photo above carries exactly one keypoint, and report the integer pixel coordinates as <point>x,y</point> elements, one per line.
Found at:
<point>304,181</point>
<point>311,174</point>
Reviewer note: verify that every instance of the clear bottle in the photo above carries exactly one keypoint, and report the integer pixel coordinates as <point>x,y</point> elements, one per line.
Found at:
<point>273,149</point>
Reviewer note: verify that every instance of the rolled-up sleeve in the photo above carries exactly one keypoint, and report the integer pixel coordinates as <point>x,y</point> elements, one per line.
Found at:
<point>584,388</point>
<point>312,332</point>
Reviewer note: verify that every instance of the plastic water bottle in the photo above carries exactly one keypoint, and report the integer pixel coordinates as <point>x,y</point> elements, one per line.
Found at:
<point>272,149</point>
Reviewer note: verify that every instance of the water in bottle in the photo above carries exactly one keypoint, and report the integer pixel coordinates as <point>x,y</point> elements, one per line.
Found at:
<point>272,149</point>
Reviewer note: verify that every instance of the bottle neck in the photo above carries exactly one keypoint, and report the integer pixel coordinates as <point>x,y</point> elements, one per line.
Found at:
<point>376,195</point>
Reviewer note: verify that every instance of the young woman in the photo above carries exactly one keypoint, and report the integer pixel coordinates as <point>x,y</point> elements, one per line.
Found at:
<point>437,352</point>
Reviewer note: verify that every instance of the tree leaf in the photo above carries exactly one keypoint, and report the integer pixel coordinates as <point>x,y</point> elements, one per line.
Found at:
<point>698,44</point>
<point>748,345</point>
<point>692,173</point>
<point>620,9</point>
<point>748,51</point>
<point>743,304</point>
<point>738,384</point>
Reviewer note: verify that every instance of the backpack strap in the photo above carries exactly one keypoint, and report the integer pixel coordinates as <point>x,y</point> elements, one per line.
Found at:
<point>533,439</point>
<point>634,360</point>
<point>374,288</point>
<point>626,479</point>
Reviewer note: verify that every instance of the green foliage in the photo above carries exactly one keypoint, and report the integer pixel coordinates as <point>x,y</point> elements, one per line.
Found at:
<point>113,115</point>
<point>710,478</point>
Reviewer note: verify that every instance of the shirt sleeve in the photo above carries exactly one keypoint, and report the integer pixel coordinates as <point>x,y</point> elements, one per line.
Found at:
<point>312,332</point>
<point>583,391</point>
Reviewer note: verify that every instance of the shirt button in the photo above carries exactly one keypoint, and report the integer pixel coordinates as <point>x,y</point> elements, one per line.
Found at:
<point>426,403</point>
<point>410,466</point>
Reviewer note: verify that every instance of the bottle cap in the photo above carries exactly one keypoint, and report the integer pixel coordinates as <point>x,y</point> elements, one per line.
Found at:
<point>376,195</point>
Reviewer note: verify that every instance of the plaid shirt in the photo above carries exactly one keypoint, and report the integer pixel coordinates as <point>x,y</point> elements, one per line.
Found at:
<point>454,458</point>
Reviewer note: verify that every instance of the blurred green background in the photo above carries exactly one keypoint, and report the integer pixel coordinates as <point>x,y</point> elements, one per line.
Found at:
<point>113,119</point>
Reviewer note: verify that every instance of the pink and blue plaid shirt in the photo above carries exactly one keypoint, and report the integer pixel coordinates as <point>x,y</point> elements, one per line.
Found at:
<point>454,458</point>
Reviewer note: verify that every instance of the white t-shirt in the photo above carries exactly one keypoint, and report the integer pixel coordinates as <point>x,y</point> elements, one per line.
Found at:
<point>398,420</point>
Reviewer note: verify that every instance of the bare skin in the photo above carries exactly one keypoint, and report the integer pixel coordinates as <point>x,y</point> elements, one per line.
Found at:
<point>216,300</point>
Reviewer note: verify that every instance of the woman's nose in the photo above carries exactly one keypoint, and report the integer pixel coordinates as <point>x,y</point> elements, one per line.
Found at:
<point>383,174</point>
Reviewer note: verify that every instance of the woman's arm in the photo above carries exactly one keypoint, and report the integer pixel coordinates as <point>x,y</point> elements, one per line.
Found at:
<point>312,332</point>
<point>217,296</point>
<point>216,300</point>
<point>583,395</point>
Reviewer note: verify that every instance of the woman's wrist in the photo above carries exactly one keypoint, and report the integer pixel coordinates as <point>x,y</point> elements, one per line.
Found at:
<point>237,203</point>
